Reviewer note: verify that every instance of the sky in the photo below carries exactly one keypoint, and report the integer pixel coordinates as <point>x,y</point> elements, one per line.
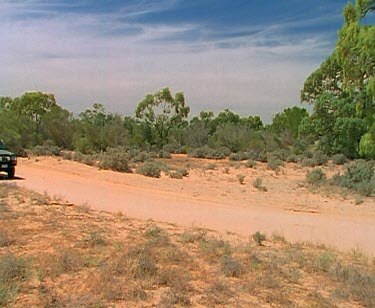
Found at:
<point>250,56</point>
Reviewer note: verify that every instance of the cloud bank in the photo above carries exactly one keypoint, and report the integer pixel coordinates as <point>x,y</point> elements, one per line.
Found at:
<point>86,53</point>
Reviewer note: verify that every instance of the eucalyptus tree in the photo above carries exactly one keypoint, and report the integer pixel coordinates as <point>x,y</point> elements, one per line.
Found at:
<point>163,112</point>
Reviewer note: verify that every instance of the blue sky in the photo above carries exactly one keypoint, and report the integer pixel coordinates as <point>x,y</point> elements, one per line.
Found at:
<point>249,56</point>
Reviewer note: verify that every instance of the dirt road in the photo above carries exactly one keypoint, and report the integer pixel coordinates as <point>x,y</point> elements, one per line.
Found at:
<point>181,202</point>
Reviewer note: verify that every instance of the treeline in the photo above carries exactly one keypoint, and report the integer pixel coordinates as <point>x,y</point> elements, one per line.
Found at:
<point>160,122</point>
<point>342,91</point>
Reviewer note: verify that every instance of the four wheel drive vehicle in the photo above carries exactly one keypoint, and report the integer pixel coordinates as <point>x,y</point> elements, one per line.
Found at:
<point>8,161</point>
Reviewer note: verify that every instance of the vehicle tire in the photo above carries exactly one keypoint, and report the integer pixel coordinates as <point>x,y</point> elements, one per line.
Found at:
<point>11,173</point>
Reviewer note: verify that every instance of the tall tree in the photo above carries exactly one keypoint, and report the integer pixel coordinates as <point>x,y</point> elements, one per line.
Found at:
<point>345,81</point>
<point>34,105</point>
<point>163,112</point>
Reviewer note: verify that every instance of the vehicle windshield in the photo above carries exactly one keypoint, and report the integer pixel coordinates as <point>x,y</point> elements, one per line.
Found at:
<point>2,146</point>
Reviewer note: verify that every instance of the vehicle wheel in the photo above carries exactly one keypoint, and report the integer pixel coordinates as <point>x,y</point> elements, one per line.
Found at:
<point>11,173</point>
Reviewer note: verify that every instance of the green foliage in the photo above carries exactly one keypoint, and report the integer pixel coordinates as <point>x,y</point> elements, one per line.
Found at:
<point>339,159</point>
<point>150,169</point>
<point>47,149</point>
<point>241,178</point>
<point>367,144</point>
<point>274,163</point>
<point>175,175</point>
<point>259,238</point>
<point>315,176</point>
<point>98,130</point>
<point>237,156</point>
<point>257,183</point>
<point>251,163</point>
<point>289,121</point>
<point>358,176</point>
<point>343,89</point>
<point>206,152</point>
<point>115,159</point>
<point>163,112</point>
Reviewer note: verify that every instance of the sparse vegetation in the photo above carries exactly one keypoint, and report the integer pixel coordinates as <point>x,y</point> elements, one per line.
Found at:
<point>259,238</point>
<point>162,264</point>
<point>359,176</point>
<point>150,169</point>
<point>315,176</point>
<point>257,183</point>
<point>241,178</point>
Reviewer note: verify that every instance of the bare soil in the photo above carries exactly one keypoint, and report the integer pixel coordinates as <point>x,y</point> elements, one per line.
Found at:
<point>215,199</point>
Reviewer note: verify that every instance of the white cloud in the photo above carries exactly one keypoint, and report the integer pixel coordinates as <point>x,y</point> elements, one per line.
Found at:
<point>66,55</point>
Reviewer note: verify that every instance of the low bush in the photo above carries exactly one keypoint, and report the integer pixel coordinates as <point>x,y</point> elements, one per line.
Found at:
<point>320,158</point>
<point>114,159</point>
<point>315,176</point>
<point>5,239</point>
<point>183,171</point>
<point>230,267</point>
<point>339,159</point>
<point>86,159</point>
<point>175,175</point>
<point>150,168</point>
<point>241,178</point>
<point>46,150</point>
<point>257,183</point>
<point>206,152</point>
<point>237,156</point>
<point>259,238</point>
<point>251,163</point>
<point>211,166</point>
<point>358,176</point>
<point>274,163</point>
<point>292,158</point>
<point>165,154</point>
<point>308,162</point>
<point>12,269</point>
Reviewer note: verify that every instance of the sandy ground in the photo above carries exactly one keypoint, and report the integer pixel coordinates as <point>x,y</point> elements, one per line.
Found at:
<point>214,199</point>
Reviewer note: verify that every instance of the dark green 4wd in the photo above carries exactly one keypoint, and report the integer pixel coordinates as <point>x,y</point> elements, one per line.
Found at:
<point>8,161</point>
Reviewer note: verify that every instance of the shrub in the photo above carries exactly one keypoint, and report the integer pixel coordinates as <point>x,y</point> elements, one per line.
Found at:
<point>116,160</point>
<point>230,266</point>
<point>165,154</point>
<point>339,159</point>
<point>206,152</point>
<point>86,159</point>
<point>241,178</point>
<point>175,175</point>
<point>258,184</point>
<point>183,171</point>
<point>211,166</point>
<point>46,150</point>
<point>274,164</point>
<point>308,162</point>
<point>237,156</point>
<point>292,158</point>
<point>359,176</point>
<point>251,163</point>
<point>12,269</point>
<point>137,156</point>
<point>315,176</point>
<point>320,158</point>
<point>259,238</point>
<point>5,239</point>
<point>150,168</point>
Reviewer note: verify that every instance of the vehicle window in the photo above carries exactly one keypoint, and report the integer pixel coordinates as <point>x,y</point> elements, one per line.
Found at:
<point>2,146</point>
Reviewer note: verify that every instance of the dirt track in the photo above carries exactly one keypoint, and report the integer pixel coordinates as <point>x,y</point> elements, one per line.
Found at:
<point>215,202</point>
